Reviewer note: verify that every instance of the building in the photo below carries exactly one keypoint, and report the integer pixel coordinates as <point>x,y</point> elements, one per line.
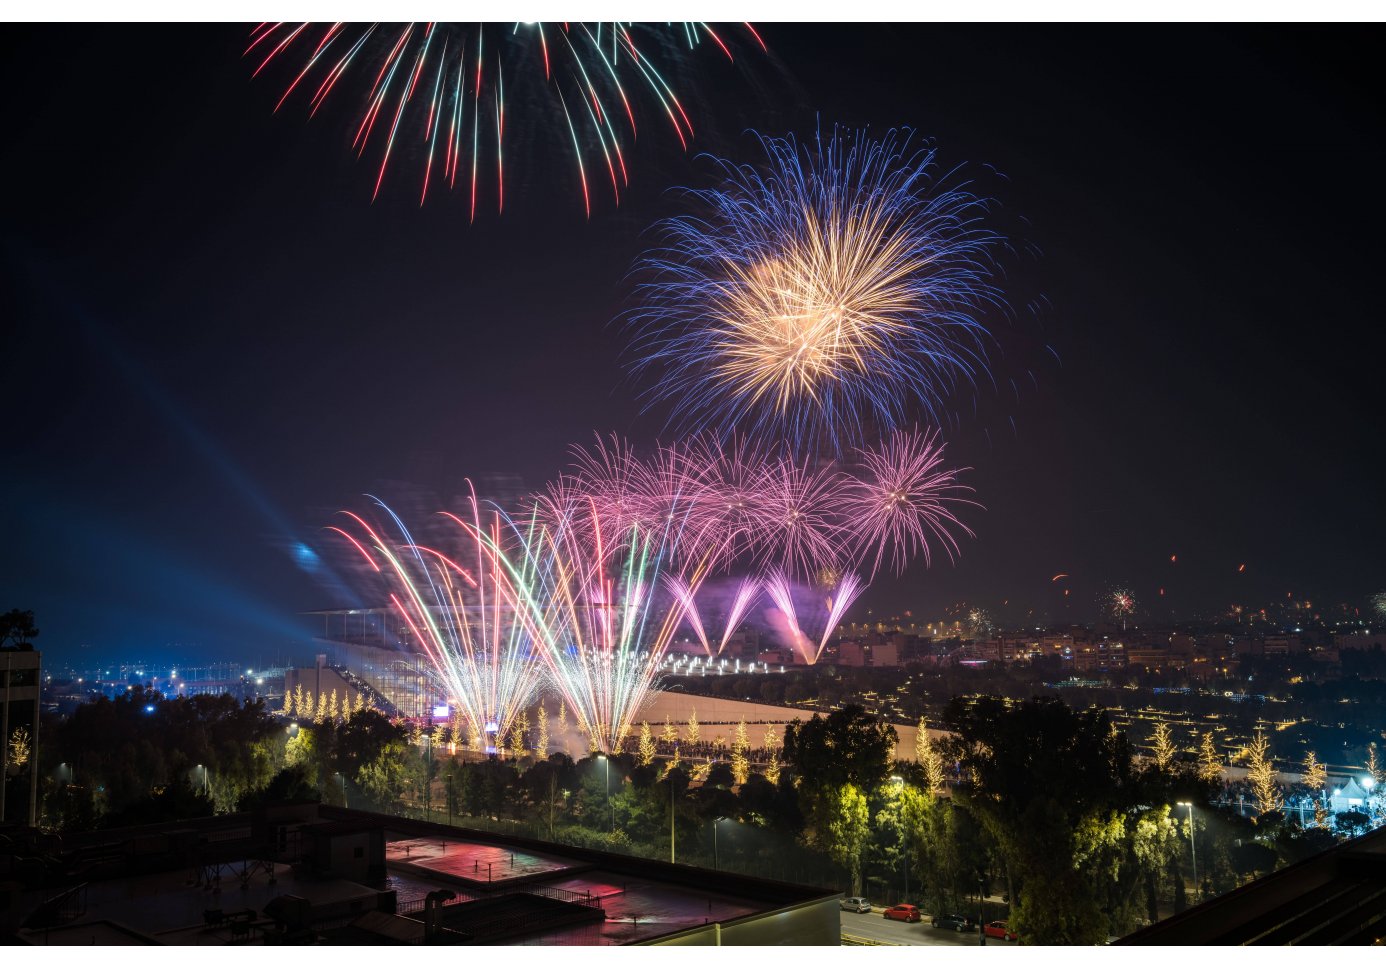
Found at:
<point>311,874</point>
<point>20,675</point>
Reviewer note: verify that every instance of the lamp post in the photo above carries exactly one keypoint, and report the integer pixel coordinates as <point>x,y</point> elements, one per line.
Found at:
<point>1193,850</point>
<point>610,806</point>
<point>899,783</point>
<point>981,910</point>
<point>342,777</point>
<point>428,776</point>
<point>671,815</point>
<point>205,786</point>
<point>716,865</point>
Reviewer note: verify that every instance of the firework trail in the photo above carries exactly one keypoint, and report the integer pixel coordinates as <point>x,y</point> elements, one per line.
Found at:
<point>835,285</point>
<point>602,629</point>
<point>459,613</point>
<point>780,588</point>
<point>445,93</point>
<point>1379,605</point>
<point>747,590</point>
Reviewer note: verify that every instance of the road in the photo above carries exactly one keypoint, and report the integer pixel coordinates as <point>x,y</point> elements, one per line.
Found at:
<point>873,927</point>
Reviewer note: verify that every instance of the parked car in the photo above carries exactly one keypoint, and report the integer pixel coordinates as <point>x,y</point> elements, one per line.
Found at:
<point>858,904</point>
<point>998,929</point>
<point>953,922</point>
<point>901,912</point>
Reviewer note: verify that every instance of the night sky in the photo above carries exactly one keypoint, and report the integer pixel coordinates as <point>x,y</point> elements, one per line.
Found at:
<point>214,340</point>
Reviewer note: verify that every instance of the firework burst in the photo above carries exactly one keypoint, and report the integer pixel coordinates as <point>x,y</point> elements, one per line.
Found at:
<point>444,94</point>
<point>900,502</point>
<point>835,285</point>
<point>1121,605</point>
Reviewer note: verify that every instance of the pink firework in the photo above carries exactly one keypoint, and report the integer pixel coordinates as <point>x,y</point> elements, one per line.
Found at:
<point>804,525</point>
<point>824,622</point>
<point>900,501</point>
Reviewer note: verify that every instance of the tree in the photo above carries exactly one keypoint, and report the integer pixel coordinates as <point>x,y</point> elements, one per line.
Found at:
<point>645,752</point>
<point>1045,783</point>
<point>288,709</point>
<point>1261,774</point>
<point>1374,769</point>
<point>541,739</point>
<point>320,715</point>
<point>17,627</point>
<point>772,739</point>
<point>691,733</point>
<point>517,736</point>
<point>926,754</point>
<point>1209,763</point>
<point>332,705</point>
<point>670,734</point>
<point>21,746</point>
<point>772,771</point>
<point>740,765</point>
<point>300,710</point>
<point>846,829</point>
<point>849,746</point>
<point>361,704</point>
<point>1315,774</point>
<point>1163,752</point>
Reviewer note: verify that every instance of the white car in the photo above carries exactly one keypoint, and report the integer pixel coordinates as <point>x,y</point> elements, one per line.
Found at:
<point>858,904</point>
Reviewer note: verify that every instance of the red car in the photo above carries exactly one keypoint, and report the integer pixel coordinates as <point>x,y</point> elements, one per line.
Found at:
<point>902,912</point>
<point>998,929</point>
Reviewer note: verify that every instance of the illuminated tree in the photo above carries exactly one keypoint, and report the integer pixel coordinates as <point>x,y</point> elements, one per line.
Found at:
<point>671,732</point>
<point>288,709</point>
<point>1164,751</point>
<point>1374,766</point>
<point>673,761</point>
<point>772,771</point>
<point>740,750</point>
<point>1209,763</point>
<point>772,738</point>
<point>300,710</point>
<point>645,752</point>
<point>346,712</point>
<point>562,717</point>
<point>1261,774</point>
<point>691,733</point>
<point>1315,774</point>
<point>474,741</point>
<point>361,705</point>
<point>332,706</point>
<point>847,828</point>
<point>700,771</point>
<point>517,736</point>
<point>321,714</point>
<point>541,739</point>
<point>930,759</point>
<point>21,747</point>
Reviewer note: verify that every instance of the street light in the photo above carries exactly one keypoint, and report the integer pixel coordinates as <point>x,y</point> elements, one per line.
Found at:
<point>610,805</point>
<point>715,864</point>
<point>1193,850</point>
<point>205,791</point>
<point>899,783</point>
<point>981,909</point>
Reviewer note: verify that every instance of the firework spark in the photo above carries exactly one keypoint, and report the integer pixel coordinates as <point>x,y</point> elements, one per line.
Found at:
<point>602,628</point>
<point>743,598</point>
<point>445,94</point>
<point>838,284</point>
<point>1379,604</point>
<point>458,609</point>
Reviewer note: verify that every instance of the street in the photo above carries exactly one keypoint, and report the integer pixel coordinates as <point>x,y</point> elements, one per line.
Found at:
<point>873,927</point>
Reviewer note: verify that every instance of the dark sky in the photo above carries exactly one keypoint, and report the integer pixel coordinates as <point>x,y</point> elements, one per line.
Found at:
<point>213,339</point>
